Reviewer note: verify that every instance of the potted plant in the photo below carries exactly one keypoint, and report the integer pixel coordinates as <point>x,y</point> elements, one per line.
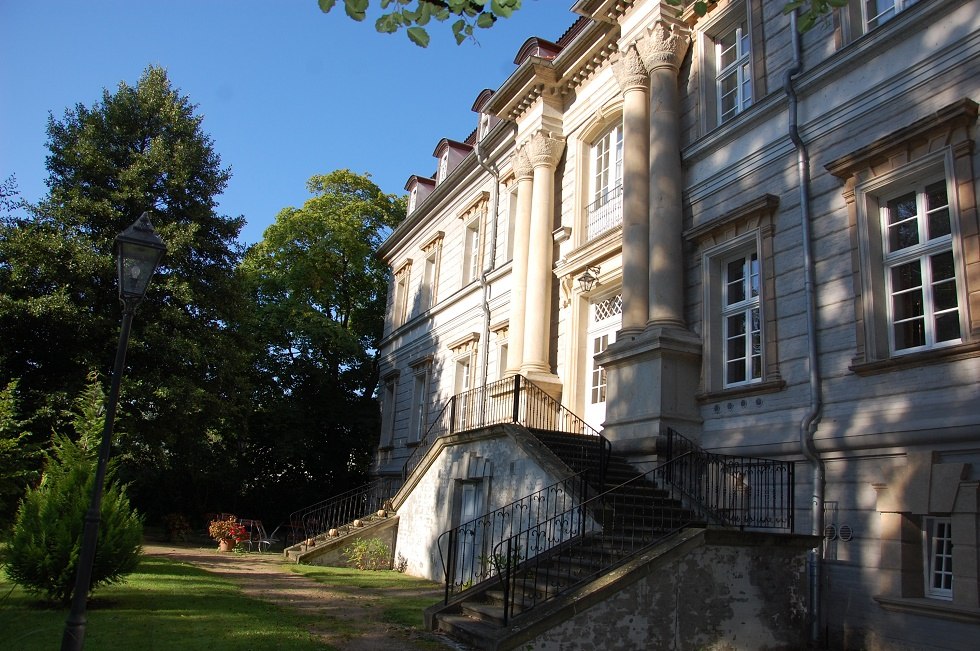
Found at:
<point>228,533</point>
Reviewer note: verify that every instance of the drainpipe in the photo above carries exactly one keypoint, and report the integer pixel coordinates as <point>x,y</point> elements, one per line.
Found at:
<point>808,426</point>
<point>493,171</point>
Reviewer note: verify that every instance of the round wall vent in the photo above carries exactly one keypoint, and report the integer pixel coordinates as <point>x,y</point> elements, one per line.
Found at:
<point>830,532</point>
<point>845,533</point>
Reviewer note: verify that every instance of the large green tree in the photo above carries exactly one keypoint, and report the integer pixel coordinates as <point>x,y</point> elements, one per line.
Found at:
<point>320,296</point>
<point>141,148</point>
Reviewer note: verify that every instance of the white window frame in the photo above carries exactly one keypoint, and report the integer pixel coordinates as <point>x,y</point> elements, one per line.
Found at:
<point>741,298</point>
<point>739,20</point>
<point>922,253</point>
<point>937,557</point>
<point>605,208</point>
<point>420,404</point>
<point>389,396</point>
<point>413,198</point>
<point>471,250</point>
<point>871,199</point>
<point>443,166</point>
<point>399,312</point>
<point>739,69</point>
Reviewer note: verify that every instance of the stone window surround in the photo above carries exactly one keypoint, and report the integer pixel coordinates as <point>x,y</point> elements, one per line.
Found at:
<point>605,118</point>
<point>721,21</point>
<point>926,486</point>
<point>389,384</point>
<point>943,140</point>
<point>748,226</point>
<point>475,212</point>
<point>400,279</point>
<point>431,250</point>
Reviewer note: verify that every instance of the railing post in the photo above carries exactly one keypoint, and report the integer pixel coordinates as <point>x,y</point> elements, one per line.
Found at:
<point>450,562</point>
<point>515,418</point>
<point>452,415</point>
<point>507,574</point>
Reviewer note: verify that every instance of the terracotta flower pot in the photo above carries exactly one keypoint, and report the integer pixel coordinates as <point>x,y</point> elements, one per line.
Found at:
<point>225,545</point>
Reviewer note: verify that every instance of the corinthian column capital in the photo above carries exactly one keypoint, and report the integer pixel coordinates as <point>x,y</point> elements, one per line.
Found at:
<point>544,148</point>
<point>664,45</point>
<point>521,163</point>
<point>629,70</point>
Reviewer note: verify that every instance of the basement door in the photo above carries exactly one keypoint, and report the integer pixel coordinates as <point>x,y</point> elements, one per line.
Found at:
<point>605,318</point>
<point>470,542</point>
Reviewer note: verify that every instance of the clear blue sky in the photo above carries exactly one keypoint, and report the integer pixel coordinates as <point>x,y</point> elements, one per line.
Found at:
<point>285,90</point>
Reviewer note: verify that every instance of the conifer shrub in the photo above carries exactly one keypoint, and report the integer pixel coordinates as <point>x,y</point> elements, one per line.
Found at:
<point>46,540</point>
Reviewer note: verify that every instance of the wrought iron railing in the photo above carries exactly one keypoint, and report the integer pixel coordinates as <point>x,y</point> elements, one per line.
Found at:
<point>340,511</point>
<point>594,537</point>
<point>605,213</point>
<point>511,400</point>
<point>746,492</point>
<point>466,551</point>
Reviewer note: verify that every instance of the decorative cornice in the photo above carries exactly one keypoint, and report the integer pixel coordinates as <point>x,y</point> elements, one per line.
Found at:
<point>433,242</point>
<point>664,45</point>
<point>404,267</point>
<point>466,343</point>
<point>544,148</point>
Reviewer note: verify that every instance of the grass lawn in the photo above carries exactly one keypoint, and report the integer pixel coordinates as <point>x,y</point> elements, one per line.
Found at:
<point>400,599</point>
<point>163,605</point>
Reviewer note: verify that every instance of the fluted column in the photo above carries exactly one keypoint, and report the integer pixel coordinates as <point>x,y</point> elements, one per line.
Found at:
<point>518,270</point>
<point>634,82</point>
<point>661,52</point>
<point>543,150</point>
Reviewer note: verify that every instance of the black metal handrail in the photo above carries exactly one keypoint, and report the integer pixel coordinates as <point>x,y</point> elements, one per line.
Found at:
<point>511,400</point>
<point>467,560</point>
<point>440,425</point>
<point>341,510</point>
<point>602,532</point>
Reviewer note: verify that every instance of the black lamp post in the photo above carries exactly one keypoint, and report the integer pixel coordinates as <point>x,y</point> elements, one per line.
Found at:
<point>138,252</point>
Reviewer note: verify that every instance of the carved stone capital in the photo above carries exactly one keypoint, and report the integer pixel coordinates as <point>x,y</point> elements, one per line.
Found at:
<point>629,70</point>
<point>544,148</point>
<point>664,45</point>
<point>521,163</point>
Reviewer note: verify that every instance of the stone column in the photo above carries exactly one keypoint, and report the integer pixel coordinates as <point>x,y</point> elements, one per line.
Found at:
<point>634,82</point>
<point>662,52</point>
<point>543,150</point>
<point>518,270</point>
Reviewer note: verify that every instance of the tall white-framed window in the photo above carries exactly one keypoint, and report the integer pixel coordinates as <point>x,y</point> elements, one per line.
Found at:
<point>399,312</point>
<point>859,18</point>
<point>911,200</point>
<point>605,211</point>
<point>420,401</point>
<point>741,351</point>
<point>464,382</point>
<point>733,70</point>
<point>919,267</point>
<point>605,318</point>
<point>388,396</point>
<point>471,251</point>
<point>741,319</point>
<point>937,548</point>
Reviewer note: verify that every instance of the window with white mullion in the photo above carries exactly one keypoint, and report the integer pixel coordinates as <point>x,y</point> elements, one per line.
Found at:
<point>734,72</point>
<point>938,550</point>
<point>471,266</point>
<point>742,322</point>
<point>597,389</point>
<point>920,269</point>
<point>879,12</point>
<point>605,210</point>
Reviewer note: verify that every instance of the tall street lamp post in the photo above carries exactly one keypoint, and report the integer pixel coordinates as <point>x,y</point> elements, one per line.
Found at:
<point>138,252</point>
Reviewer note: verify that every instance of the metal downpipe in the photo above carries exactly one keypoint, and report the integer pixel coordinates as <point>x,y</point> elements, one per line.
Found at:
<point>808,425</point>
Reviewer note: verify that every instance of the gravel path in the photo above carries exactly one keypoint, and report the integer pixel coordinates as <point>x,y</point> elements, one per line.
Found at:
<point>267,577</point>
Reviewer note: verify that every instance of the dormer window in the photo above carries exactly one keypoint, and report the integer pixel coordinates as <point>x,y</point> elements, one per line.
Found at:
<point>413,198</point>
<point>484,126</point>
<point>443,167</point>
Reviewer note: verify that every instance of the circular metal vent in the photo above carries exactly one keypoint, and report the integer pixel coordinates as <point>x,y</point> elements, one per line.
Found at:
<point>830,532</point>
<point>845,533</point>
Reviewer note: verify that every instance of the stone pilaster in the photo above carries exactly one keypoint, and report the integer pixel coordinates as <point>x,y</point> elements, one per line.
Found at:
<point>653,368</point>
<point>635,81</point>
<point>524,173</point>
<point>543,150</point>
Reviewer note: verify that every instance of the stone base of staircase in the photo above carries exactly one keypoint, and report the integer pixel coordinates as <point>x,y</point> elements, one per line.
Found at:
<point>329,550</point>
<point>700,588</point>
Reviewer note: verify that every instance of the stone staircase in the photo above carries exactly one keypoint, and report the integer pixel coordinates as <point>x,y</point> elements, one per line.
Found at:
<point>628,512</point>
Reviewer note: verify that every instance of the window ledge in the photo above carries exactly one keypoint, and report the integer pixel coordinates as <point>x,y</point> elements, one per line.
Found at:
<point>930,608</point>
<point>412,444</point>
<point>936,356</point>
<point>386,448</point>
<point>770,386</point>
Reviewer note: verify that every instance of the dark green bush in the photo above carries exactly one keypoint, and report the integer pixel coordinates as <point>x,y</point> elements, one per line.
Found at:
<point>47,534</point>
